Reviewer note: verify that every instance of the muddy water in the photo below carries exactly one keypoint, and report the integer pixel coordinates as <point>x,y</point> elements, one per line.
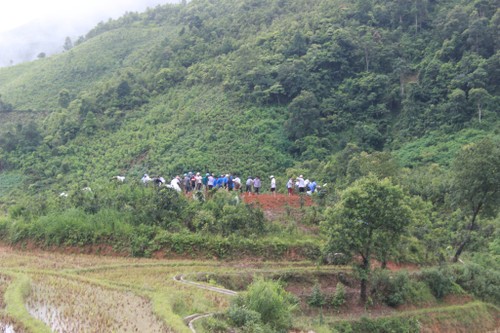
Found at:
<point>69,306</point>
<point>6,328</point>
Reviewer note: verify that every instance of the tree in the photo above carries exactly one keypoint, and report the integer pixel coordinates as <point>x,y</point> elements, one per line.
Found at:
<point>456,106</point>
<point>480,98</point>
<point>68,44</point>
<point>371,216</point>
<point>380,164</point>
<point>41,55</point>
<point>4,106</point>
<point>304,116</point>
<point>476,185</point>
<point>64,98</point>
<point>90,123</point>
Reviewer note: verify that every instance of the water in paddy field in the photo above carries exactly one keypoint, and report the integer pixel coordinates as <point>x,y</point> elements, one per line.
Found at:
<point>6,328</point>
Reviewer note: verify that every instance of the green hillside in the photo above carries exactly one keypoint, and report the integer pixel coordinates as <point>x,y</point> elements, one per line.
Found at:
<point>390,106</point>
<point>275,81</point>
<point>332,89</point>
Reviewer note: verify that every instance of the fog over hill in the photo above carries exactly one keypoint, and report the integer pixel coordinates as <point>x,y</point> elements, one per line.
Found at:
<point>47,35</point>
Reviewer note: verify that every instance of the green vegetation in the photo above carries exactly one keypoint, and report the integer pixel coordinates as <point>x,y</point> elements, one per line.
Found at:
<point>476,184</point>
<point>140,221</point>
<point>260,86</point>
<point>369,218</point>
<point>392,104</point>
<point>266,307</point>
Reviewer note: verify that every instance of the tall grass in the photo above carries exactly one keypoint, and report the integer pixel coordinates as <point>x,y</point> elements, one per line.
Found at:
<point>15,296</point>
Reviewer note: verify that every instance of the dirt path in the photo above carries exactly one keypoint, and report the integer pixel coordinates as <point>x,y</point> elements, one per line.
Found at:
<point>180,278</point>
<point>189,320</point>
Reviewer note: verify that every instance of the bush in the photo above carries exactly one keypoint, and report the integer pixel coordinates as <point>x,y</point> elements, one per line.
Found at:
<point>267,300</point>
<point>205,221</point>
<point>241,316</point>
<point>397,289</point>
<point>215,325</point>
<point>4,228</point>
<point>482,282</point>
<point>225,215</point>
<point>317,299</point>
<point>440,281</point>
<point>338,298</point>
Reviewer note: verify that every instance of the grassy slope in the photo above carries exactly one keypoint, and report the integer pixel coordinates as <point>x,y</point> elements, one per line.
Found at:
<point>440,148</point>
<point>197,127</point>
<point>36,85</point>
<point>183,131</point>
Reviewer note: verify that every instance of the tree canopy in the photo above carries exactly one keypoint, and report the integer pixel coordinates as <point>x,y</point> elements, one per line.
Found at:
<point>370,217</point>
<point>476,184</point>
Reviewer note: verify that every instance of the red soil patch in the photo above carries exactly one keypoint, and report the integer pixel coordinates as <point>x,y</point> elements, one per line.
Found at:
<point>279,205</point>
<point>278,202</point>
<point>402,266</point>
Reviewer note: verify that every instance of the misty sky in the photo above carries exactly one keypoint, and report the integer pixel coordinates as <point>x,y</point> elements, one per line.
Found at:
<point>30,27</point>
<point>15,13</point>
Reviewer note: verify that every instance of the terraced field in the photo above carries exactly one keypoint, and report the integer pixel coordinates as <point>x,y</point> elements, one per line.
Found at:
<point>51,292</point>
<point>46,292</point>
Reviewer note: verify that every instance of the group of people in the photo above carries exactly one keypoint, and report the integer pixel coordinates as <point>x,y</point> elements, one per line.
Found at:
<point>196,182</point>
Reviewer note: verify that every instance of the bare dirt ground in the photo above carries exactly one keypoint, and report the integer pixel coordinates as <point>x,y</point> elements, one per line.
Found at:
<point>278,202</point>
<point>278,206</point>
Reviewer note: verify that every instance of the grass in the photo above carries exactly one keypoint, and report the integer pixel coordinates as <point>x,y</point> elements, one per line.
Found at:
<point>68,304</point>
<point>9,181</point>
<point>471,317</point>
<point>14,297</point>
<point>437,147</point>
<point>124,289</point>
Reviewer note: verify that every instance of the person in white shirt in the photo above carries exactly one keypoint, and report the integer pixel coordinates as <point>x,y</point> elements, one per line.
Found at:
<point>302,185</point>
<point>198,181</point>
<point>289,186</point>
<point>237,184</point>
<point>273,185</point>
<point>257,184</point>
<point>176,184</point>
<point>145,179</point>
<point>210,182</point>
<point>249,185</point>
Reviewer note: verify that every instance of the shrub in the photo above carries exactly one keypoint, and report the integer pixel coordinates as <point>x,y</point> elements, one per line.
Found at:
<point>317,299</point>
<point>205,221</point>
<point>381,325</point>
<point>4,228</point>
<point>141,240</point>
<point>267,300</point>
<point>215,325</point>
<point>439,280</point>
<point>241,316</point>
<point>397,289</point>
<point>70,227</point>
<point>338,298</point>
<point>225,215</point>
<point>482,282</point>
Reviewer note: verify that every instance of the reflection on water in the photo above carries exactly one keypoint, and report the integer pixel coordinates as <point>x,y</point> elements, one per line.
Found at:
<point>6,328</point>
<point>53,318</point>
<point>67,305</point>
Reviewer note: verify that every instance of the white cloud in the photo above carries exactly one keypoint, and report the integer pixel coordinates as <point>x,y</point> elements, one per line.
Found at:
<point>28,27</point>
<point>15,13</point>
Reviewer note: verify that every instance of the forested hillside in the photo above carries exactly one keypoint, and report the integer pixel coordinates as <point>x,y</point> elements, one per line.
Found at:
<point>256,87</point>
<point>392,107</point>
<point>332,89</point>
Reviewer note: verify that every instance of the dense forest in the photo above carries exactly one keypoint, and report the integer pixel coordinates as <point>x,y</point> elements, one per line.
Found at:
<point>392,104</point>
<point>299,82</point>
